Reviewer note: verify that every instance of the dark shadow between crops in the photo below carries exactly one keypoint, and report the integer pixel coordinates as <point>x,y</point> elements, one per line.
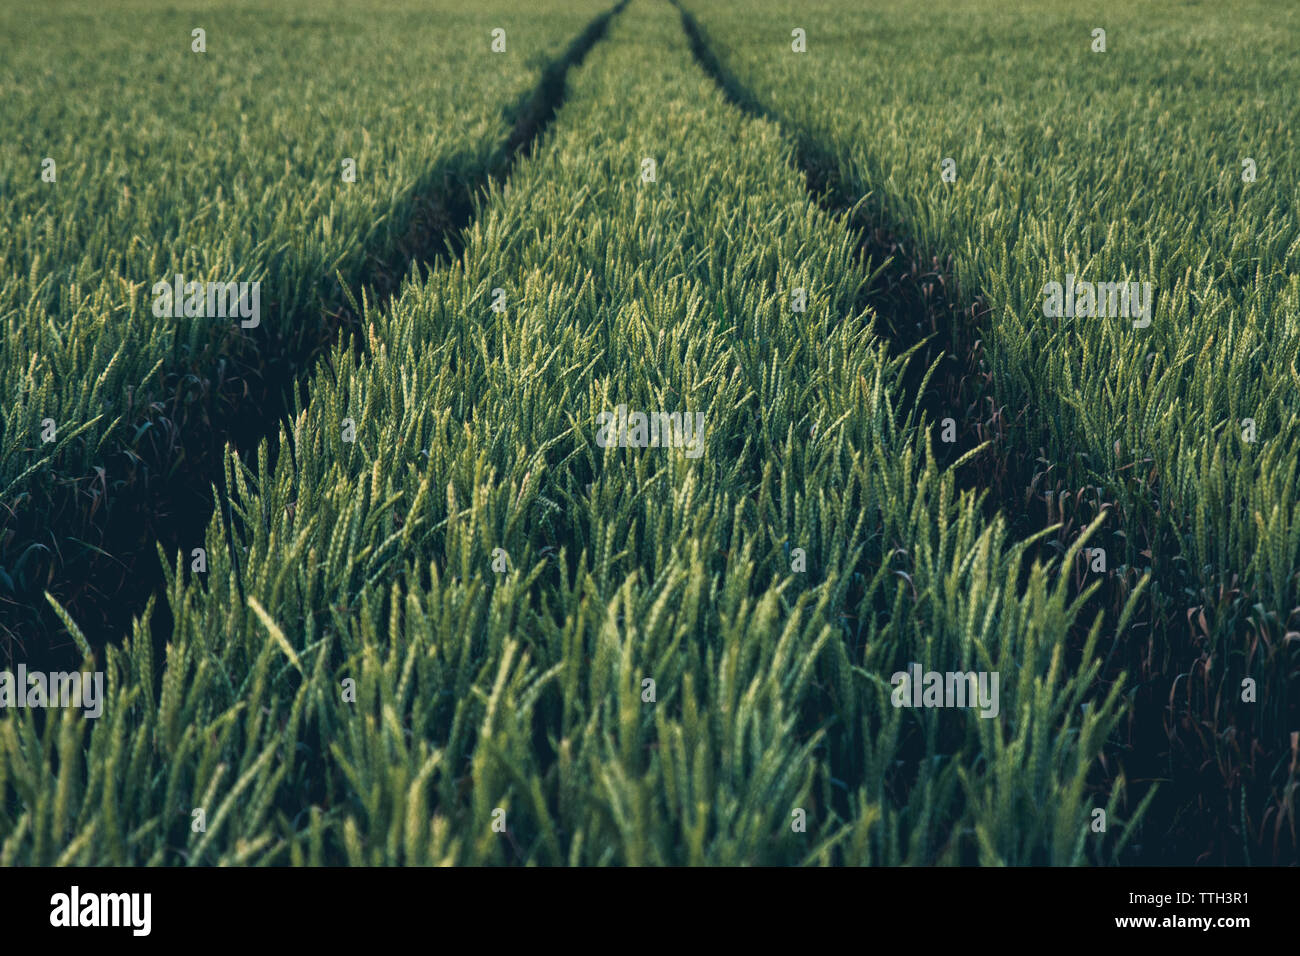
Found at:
<point>92,543</point>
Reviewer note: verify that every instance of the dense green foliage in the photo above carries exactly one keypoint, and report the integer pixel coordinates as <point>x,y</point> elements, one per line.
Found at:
<point>434,601</point>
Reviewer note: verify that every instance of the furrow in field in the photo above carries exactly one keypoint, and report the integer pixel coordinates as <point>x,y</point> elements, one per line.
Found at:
<point>946,375</point>
<point>85,521</point>
<point>1181,424</point>
<point>916,300</point>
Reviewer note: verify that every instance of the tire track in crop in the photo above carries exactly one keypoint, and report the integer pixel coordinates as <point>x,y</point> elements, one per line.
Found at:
<point>1203,796</point>
<point>927,315</point>
<point>918,300</point>
<point>949,378</point>
<point>158,494</point>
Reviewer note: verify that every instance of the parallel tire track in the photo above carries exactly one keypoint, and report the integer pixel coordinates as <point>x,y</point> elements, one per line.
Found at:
<point>947,376</point>
<point>159,494</point>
